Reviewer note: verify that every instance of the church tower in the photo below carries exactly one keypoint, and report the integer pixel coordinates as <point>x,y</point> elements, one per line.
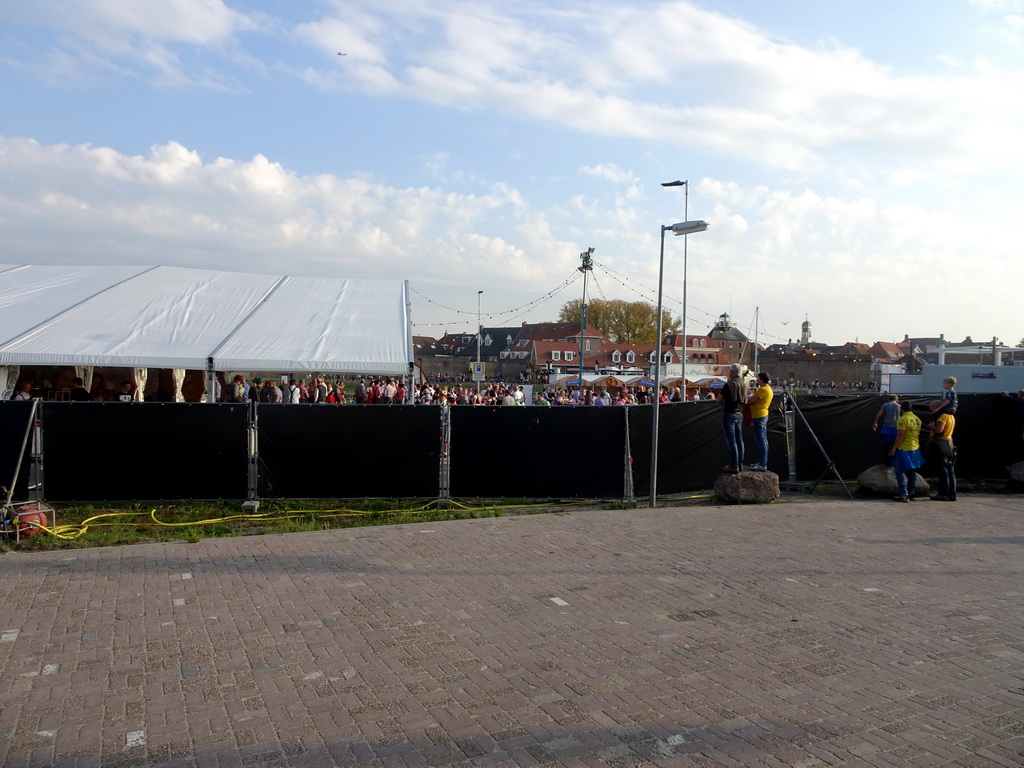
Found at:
<point>805,331</point>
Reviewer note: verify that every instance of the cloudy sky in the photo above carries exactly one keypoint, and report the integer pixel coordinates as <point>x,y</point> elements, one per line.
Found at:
<point>859,163</point>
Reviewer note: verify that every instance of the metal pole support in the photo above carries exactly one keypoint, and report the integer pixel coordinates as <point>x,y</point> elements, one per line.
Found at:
<point>252,494</point>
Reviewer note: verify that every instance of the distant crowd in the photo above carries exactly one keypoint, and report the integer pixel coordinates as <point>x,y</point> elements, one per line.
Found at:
<point>317,389</point>
<point>366,390</point>
<point>844,386</point>
<point>391,391</point>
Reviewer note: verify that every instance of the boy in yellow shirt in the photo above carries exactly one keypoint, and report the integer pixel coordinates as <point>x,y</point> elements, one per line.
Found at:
<point>905,452</point>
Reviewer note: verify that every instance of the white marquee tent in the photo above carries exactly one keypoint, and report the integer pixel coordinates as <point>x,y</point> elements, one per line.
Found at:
<point>176,318</point>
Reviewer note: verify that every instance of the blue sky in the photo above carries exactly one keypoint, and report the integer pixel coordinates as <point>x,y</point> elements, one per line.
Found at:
<point>859,163</point>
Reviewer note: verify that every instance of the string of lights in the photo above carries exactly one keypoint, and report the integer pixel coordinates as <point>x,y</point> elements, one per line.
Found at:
<point>515,312</point>
<point>600,290</point>
<point>651,296</point>
<point>647,293</point>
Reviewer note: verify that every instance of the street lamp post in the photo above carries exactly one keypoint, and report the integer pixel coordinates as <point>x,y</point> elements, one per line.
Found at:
<point>686,215</point>
<point>479,333</point>
<point>682,228</point>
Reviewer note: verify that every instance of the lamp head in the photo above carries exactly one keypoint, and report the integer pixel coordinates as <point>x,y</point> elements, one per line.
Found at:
<point>688,227</point>
<point>676,183</point>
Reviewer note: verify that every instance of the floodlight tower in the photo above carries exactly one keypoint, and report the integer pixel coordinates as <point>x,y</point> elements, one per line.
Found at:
<point>587,264</point>
<point>479,333</point>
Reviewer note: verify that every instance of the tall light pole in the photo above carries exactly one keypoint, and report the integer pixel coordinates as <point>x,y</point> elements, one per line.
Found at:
<point>588,264</point>
<point>686,215</point>
<point>479,333</point>
<point>682,228</point>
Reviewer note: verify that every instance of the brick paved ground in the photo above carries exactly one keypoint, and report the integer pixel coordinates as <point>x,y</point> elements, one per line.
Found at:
<point>811,632</point>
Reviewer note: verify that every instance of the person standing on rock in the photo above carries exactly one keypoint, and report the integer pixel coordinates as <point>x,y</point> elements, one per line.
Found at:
<point>906,456</point>
<point>885,425</point>
<point>760,400</point>
<point>734,395</point>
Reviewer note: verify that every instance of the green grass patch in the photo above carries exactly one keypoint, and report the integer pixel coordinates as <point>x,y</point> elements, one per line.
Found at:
<point>89,525</point>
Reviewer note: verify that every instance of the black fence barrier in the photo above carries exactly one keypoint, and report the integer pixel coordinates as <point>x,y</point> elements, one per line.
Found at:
<point>842,425</point>
<point>131,451</point>
<point>987,434</point>
<point>536,452</point>
<point>169,451</point>
<point>358,451</point>
<point>691,446</point>
<point>14,423</point>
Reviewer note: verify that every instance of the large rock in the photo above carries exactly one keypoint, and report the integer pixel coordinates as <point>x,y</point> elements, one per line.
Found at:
<point>747,488</point>
<point>881,479</point>
<point>1016,472</point>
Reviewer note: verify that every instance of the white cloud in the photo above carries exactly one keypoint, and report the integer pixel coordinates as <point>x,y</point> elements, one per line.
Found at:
<point>94,204</point>
<point>627,72</point>
<point>788,253</point>
<point>112,38</point>
<point>197,22</point>
<point>671,72</point>
<point>999,6</point>
<point>609,172</point>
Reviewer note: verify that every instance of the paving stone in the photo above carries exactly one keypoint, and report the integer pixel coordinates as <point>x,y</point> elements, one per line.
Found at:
<point>813,632</point>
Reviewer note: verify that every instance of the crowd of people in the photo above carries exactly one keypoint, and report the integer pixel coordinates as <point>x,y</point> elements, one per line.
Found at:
<point>819,385</point>
<point>899,430</point>
<point>317,389</point>
<point>392,391</point>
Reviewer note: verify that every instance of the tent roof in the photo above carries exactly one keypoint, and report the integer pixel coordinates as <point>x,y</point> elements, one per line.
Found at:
<point>171,317</point>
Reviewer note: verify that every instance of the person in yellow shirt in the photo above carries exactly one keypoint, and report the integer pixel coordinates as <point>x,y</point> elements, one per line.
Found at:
<point>942,449</point>
<point>760,400</point>
<point>906,456</point>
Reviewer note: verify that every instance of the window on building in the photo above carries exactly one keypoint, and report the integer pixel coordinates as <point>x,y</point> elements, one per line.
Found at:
<point>569,355</point>
<point>631,356</point>
<point>556,355</point>
<point>616,356</point>
<point>668,357</point>
<point>586,345</point>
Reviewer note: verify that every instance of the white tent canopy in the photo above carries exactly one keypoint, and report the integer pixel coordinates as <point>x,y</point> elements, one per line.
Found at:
<point>171,317</point>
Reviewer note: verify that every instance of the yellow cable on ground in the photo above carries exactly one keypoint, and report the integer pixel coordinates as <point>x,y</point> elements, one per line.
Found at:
<point>73,531</point>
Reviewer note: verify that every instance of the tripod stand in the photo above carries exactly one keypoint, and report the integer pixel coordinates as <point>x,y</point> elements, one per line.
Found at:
<point>790,410</point>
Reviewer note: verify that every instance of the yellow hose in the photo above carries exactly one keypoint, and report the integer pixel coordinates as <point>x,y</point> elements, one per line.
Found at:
<point>75,530</point>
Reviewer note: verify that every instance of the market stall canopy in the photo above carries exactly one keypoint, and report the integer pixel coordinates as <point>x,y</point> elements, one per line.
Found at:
<point>642,381</point>
<point>710,381</point>
<point>172,317</point>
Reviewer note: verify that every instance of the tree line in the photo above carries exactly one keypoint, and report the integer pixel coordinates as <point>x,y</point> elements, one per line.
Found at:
<point>624,322</point>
